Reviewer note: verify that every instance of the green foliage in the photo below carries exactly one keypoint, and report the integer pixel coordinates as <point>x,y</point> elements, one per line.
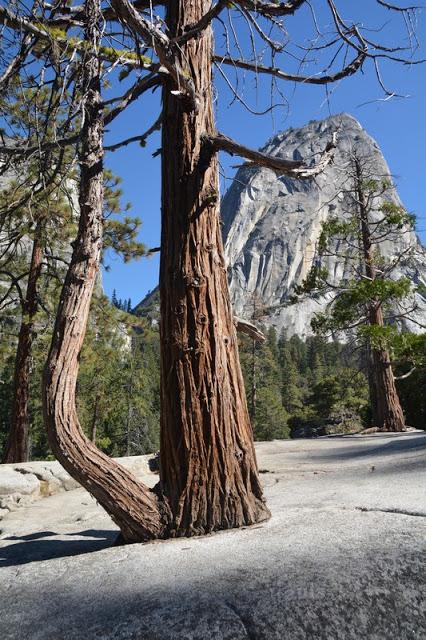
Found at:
<point>312,384</point>
<point>271,417</point>
<point>118,383</point>
<point>334,227</point>
<point>120,234</point>
<point>350,305</point>
<point>410,348</point>
<point>379,337</point>
<point>396,216</point>
<point>6,388</point>
<point>412,394</point>
<point>314,281</point>
<point>373,217</point>
<point>117,388</point>
<point>342,395</point>
<point>410,359</point>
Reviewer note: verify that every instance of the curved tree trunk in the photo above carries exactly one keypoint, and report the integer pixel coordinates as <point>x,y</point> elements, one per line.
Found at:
<point>17,448</point>
<point>207,461</point>
<point>134,508</point>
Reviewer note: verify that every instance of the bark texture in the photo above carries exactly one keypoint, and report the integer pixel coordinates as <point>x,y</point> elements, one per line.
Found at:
<point>386,407</point>
<point>17,448</point>
<point>387,410</point>
<point>207,463</point>
<point>134,508</point>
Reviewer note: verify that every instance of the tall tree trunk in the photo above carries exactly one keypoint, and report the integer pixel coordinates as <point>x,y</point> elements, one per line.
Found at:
<point>386,407</point>
<point>371,377</point>
<point>135,509</point>
<point>387,410</point>
<point>17,448</point>
<point>94,425</point>
<point>207,462</point>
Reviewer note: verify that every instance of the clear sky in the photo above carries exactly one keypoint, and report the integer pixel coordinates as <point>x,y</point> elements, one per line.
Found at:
<point>398,125</point>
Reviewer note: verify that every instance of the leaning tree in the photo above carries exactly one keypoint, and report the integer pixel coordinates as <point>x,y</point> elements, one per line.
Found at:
<point>208,473</point>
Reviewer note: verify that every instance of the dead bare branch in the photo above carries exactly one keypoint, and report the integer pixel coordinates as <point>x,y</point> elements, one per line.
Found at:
<point>243,326</point>
<point>348,70</point>
<point>292,168</point>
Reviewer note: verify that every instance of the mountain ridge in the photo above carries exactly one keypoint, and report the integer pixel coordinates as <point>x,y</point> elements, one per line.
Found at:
<point>272,224</point>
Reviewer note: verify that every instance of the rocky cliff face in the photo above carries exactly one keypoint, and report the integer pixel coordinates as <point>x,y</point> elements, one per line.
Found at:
<point>271,225</point>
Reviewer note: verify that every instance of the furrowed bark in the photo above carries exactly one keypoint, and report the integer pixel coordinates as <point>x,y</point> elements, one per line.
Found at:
<point>207,461</point>
<point>132,506</point>
<point>386,407</point>
<point>387,410</point>
<point>17,448</point>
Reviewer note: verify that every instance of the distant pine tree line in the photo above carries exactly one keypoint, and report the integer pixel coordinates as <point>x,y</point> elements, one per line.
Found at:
<point>301,387</point>
<point>312,387</point>
<point>295,387</point>
<point>117,387</point>
<point>119,303</point>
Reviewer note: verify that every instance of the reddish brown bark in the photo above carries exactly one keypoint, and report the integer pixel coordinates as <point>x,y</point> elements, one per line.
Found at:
<point>208,465</point>
<point>387,410</point>
<point>386,407</point>
<point>17,448</point>
<point>134,508</point>
<point>209,477</point>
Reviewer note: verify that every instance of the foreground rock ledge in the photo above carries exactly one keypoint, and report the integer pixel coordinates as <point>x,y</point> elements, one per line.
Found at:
<point>24,482</point>
<point>343,557</point>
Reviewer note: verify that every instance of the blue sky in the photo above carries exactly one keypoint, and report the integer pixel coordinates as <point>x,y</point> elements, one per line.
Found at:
<point>398,125</point>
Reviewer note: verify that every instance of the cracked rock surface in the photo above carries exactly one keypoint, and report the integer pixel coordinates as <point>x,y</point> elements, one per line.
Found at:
<point>343,557</point>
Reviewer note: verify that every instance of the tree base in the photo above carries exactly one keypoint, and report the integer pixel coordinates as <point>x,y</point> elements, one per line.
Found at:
<point>192,531</point>
<point>196,530</point>
<point>369,430</point>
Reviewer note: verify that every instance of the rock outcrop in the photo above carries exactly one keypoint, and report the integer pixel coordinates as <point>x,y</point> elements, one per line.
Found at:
<point>25,482</point>
<point>271,225</point>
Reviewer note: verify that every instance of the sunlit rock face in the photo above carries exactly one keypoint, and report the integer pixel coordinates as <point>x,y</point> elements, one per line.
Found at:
<point>272,224</point>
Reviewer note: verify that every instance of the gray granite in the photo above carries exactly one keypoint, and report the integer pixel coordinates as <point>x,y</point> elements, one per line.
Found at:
<point>342,558</point>
<point>271,225</point>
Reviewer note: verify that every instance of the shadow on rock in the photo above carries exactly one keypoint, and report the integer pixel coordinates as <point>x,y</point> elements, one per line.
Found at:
<point>393,447</point>
<point>39,546</point>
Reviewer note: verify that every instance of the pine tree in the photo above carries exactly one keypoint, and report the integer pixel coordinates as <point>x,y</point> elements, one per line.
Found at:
<point>291,380</point>
<point>363,299</point>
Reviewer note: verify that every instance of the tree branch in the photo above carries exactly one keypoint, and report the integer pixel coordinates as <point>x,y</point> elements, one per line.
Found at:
<point>271,8</point>
<point>406,375</point>
<point>140,86</point>
<point>108,13</point>
<point>243,326</point>
<point>291,168</point>
<point>155,38</point>
<point>195,30</point>
<point>41,30</point>
<point>394,7</point>
<point>348,70</point>
<point>141,139</point>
